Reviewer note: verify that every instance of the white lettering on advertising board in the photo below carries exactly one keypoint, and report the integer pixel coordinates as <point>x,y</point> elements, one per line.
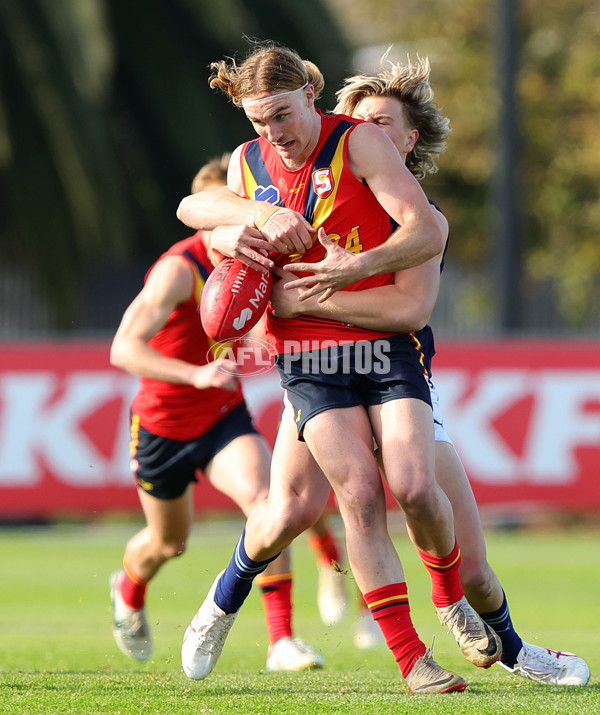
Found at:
<point>42,417</point>
<point>561,421</point>
<point>41,422</point>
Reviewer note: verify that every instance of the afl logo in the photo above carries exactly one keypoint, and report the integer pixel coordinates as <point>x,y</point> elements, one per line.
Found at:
<point>322,180</point>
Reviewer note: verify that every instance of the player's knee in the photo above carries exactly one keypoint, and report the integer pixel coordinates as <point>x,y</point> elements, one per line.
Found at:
<point>362,502</point>
<point>259,494</point>
<point>417,496</point>
<point>310,514</point>
<point>293,522</point>
<point>173,549</point>
<point>248,500</point>
<point>294,514</point>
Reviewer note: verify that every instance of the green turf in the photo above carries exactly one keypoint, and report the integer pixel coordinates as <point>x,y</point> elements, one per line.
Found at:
<point>57,654</point>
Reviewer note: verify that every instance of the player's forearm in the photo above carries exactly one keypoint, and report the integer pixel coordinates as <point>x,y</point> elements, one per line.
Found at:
<point>143,361</point>
<point>382,309</point>
<point>409,246</point>
<point>218,207</point>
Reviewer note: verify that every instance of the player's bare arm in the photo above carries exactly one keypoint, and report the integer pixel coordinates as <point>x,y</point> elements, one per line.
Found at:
<point>418,237</point>
<point>169,284</point>
<point>214,207</point>
<point>260,226</point>
<point>402,307</point>
<point>374,159</point>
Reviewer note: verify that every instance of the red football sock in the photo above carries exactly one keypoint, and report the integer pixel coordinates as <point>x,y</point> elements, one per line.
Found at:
<point>389,607</point>
<point>325,547</point>
<point>276,592</point>
<point>132,587</point>
<point>446,587</point>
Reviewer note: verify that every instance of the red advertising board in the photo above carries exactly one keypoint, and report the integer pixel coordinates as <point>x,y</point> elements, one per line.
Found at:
<point>525,419</point>
<point>524,416</point>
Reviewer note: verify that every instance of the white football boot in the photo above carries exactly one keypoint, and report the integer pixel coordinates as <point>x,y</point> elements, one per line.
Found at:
<point>332,598</point>
<point>553,667</point>
<point>130,629</point>
<point>293,654</point>
<point>205,637</point>
<point>367,634</point>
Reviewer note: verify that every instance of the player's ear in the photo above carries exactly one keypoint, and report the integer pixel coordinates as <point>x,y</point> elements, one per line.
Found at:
<point>411,140</point>
<point>309,94</point>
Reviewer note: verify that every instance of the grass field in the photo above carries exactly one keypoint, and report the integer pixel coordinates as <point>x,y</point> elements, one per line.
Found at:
<point>57,654</point>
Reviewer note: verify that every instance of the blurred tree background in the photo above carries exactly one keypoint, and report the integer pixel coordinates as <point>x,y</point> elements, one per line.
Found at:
<point>105,117</point>
<point>557,46</point>
<point>106,114</point>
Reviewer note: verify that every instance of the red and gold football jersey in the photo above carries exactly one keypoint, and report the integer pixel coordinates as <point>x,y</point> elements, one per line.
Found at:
<point>326,192</point>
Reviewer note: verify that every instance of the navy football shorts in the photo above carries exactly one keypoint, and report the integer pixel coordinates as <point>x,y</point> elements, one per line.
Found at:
<point>164,467</point>
<point>369,372</point>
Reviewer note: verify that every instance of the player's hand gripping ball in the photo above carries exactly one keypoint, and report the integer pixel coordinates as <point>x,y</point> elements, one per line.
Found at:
<point>233,299</point>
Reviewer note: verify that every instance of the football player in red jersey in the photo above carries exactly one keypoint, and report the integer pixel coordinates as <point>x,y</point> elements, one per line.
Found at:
<point>346,384</point>
<point>188,415</point>
<point>400,100</point>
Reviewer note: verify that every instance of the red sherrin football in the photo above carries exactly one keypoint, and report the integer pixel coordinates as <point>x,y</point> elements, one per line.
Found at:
<point>233,300</point>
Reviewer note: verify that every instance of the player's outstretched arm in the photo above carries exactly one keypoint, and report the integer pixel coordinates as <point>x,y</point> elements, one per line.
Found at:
<point>170,283</point>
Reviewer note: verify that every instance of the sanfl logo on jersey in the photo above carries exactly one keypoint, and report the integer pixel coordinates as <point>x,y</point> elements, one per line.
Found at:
<point>322,180</point>
<point>266,193</point>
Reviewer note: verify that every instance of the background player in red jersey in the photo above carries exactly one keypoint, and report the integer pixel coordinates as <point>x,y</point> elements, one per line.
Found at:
<point>188,414</point>
<point>347,180</point>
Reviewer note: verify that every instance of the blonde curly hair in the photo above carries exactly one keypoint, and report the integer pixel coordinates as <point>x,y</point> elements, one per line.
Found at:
<point>409,84</point>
